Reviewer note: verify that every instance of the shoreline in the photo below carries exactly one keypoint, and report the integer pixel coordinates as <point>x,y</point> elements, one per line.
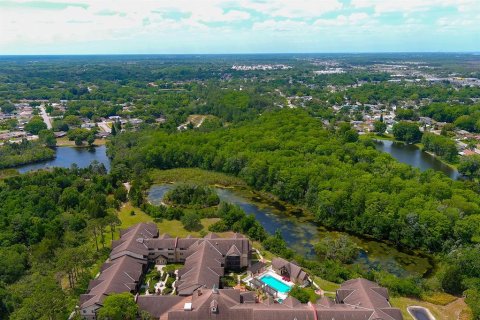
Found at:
<point>418,146</point>
<point>262,199</point>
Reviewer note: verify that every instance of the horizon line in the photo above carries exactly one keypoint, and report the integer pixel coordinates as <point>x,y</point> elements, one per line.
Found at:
<point>235,53</point>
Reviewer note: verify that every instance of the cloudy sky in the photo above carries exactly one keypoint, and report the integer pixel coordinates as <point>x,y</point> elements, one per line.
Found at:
<point>237,26</point>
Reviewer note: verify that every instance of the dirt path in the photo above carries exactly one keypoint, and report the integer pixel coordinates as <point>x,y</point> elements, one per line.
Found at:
<point>456,307</point>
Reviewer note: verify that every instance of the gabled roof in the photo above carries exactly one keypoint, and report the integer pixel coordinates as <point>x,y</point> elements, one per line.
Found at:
<point>156,306</point>
<point>233,251</point>
<point>363,293</point>
<point>202,268</point>
<point>325,302</point>
<point>120,275</point>
<point>132,240</point>
<point>291,302</point>
<point>293,269</point>
<point>254,268</point>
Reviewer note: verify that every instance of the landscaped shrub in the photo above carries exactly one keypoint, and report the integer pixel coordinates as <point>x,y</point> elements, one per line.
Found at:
<point>304,295</point>
<point>169,283</point>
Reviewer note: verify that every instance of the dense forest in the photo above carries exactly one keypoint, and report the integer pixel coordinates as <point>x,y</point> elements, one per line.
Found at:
<point>50,225</point>
<point>14,154</point>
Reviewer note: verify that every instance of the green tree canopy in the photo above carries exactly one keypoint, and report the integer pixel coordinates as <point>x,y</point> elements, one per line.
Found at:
<point>407,131</point>
<point>35,125</point>
<point>379,127</point>
<point>47,137</point>
<point>120,306</point>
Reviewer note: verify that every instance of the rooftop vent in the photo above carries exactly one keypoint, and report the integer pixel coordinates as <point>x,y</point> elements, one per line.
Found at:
<point>187,306</point>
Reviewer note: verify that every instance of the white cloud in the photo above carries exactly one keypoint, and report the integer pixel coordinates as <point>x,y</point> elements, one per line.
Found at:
<point>353,19</point>
<point>131,22</point>
<point>275,25</point>
<point>385,6</point>
<point>103,20</point>
<point>293,8</point>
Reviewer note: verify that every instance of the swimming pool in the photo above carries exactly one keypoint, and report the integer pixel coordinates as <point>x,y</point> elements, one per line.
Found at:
<point>275,283</point>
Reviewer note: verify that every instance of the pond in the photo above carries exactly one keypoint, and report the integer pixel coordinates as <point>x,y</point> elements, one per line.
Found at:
<point>414,156</point>
<point>300,232</point>
<point>66,156</point>
<point>420,313</point>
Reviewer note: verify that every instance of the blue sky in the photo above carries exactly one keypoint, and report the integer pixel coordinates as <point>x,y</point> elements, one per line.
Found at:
<point>237,26</point>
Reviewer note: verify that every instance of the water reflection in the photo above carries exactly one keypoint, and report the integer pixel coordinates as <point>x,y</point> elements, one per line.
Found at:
<point>301,233</point>
<point>414,156</point>
<point>66,156</point>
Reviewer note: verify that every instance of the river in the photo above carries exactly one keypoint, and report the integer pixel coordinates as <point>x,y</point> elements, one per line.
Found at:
<point>414,156</point>
<point>301,233</point>
<point>66,156</point>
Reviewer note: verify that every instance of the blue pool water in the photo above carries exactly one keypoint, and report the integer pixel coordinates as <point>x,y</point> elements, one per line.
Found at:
<point>275,284</point>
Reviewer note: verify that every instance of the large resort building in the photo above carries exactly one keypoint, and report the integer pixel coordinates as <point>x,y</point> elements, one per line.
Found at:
<point>198,292</point>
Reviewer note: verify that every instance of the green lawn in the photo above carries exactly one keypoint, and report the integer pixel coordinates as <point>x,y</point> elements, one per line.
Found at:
<point>172,227</point>
<point>64,142</point>
<point>384,136</point>
<point>195,175</point>
<point>449,312</point>
<point>326,285</point>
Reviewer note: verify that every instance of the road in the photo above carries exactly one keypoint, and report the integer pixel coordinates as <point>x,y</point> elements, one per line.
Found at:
<point>45,117</point>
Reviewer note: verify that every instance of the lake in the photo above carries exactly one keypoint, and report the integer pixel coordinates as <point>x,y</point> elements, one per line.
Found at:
<point>300,232</point>
<point>414,156</point>
<point>66,156</point>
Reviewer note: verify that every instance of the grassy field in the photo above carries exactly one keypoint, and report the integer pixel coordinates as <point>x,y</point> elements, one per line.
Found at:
<point>439,298</point>
<point>326,285</point>
<point>64,142</point>
<point>384,136</point>
<point>172,227</point>
<point>7,173</point>
<point>454,310</point>
<point>194,175</point>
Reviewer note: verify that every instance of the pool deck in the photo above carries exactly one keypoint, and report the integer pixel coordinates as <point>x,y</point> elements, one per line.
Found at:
<point>273,274</point>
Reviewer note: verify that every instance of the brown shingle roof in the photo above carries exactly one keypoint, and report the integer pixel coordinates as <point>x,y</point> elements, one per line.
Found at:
<point>293,269</point>
<point>132,240</point>
<point>121,275</point>
<point>156,306</point>
<point>254,268</point>
<point>202,268</point>
<point>363,293</point>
